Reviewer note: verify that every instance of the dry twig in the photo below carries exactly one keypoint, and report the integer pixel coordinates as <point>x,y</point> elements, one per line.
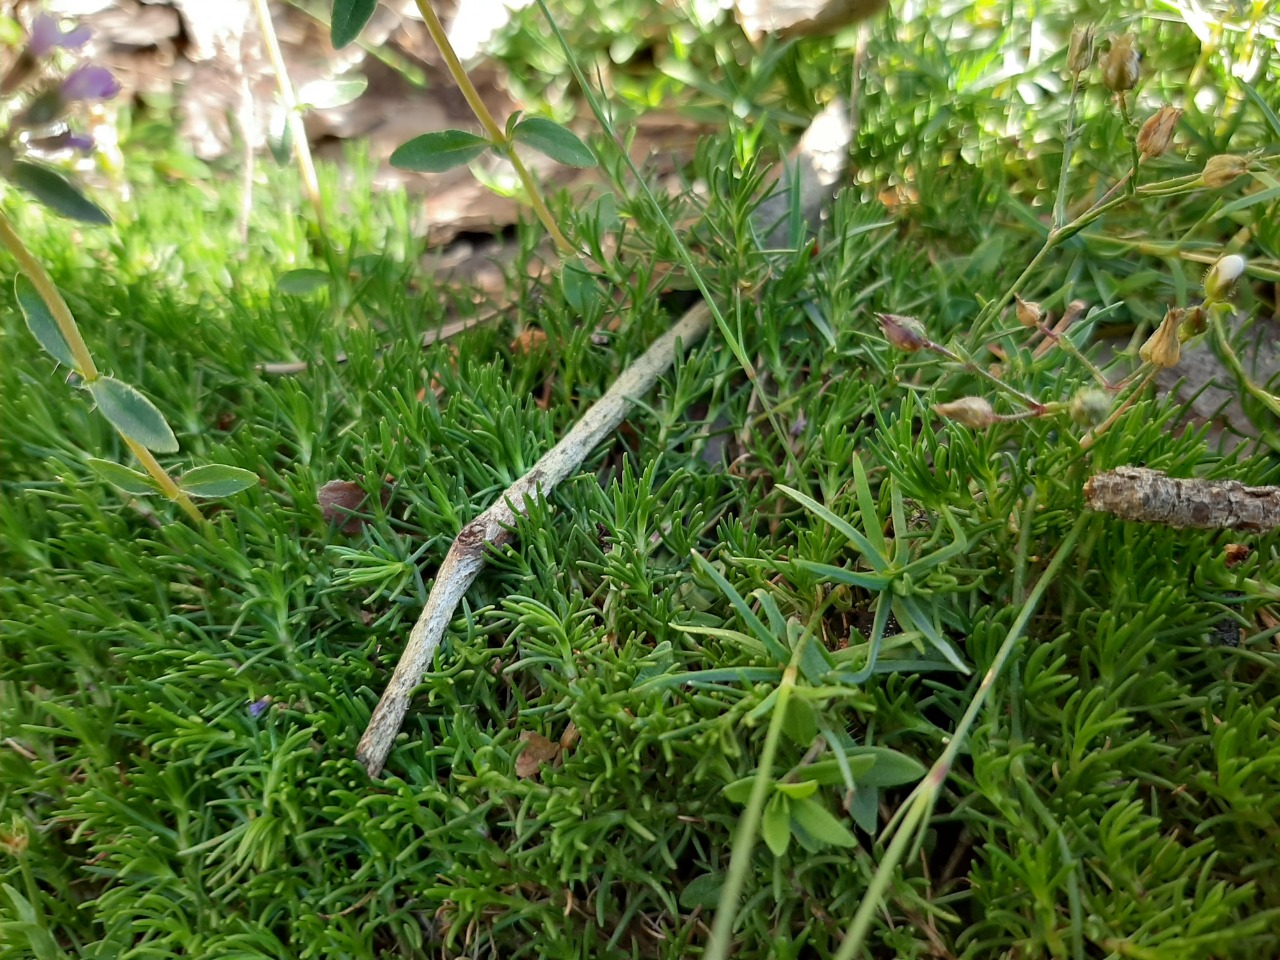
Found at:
<point>493,528</point>
<point>1148,496</point>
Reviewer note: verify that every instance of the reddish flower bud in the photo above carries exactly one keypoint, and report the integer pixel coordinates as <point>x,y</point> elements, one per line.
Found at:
<point>1121,64</point>
<point>973,412</point>
<point>1157,133</point>
<point>905,333</point>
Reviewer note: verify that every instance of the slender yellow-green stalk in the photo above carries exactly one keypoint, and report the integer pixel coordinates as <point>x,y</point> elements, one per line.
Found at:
<point>85,366</point>
<point>491,126</point>
<point>298,133</point>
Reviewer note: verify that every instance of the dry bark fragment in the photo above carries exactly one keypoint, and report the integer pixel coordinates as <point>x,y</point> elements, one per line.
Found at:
<point>1148,496</point>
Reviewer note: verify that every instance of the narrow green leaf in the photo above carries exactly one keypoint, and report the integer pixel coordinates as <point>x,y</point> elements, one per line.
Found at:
<point>57,193</point>
<point>548,137</point>
<point>326,94</point>
<point>216,480</point>
<point>820,824</point>
<point>133,415</point>
<point>132,482</point>
<point>280,138</point>
<point>437,152</point>
<point>1259,101</point>
<point>41,323</point>
<point>833,574</point>
<point>912,615</point>
<point>878,562</point>
<point>302,282</point>
<point>41,942</point>
<point>765,635</point>
<point>867,507</point>
<point>349,18</point>
<point>775,826</point>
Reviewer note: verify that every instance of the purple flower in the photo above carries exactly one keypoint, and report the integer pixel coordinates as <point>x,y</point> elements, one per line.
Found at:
<point>67,140</point>
<point>259,707</point>
<point>89,82</point>
<point>47,33</point>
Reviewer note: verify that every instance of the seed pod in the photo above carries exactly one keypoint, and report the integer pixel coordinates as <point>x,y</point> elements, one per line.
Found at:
<point>1162,347</point>
<point>1028,312</point>
<point>1223,169</point>
<point>905,333</point>
<point>973,412</point>
<point>1194,323</point>
<point>1120,64</point>
<point>1157,133</point>
<point>1080,52</point>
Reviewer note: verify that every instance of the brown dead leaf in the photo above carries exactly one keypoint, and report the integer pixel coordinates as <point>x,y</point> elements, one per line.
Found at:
<point>529,341</point>
<point>537,751</point>
<point>339,499</point>
<point>569,737</point>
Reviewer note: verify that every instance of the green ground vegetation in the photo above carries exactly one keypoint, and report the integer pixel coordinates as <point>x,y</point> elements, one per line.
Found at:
<point>180,704</point>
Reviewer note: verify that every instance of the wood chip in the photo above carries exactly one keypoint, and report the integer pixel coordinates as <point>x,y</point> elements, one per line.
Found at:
<point>1148,496</point>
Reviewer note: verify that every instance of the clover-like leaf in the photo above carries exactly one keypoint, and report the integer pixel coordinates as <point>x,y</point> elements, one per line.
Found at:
<point>118,475</point>
<point>348,19</point>
<point>303,282</point>
<point>548,137</point>
<point>438,152</point>
<point>326,94</point>
<point>216,480</point>
<point>133,414</point>
<point>56,192</point>
<point>41,323</point>
<point>820,825</point>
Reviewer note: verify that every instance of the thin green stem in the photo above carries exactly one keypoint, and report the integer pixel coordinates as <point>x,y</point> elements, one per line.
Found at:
<point>48,291</point>
<point>748,834</point>
<point>1068,144</point>
<point>1148,373</point>
<point>1268,400</point>
<point>491,126</point>
<point>298,133</point>
<point>682,251</point>
<point>923,797</point>
<point>979,371</point>
<point>85,366</point>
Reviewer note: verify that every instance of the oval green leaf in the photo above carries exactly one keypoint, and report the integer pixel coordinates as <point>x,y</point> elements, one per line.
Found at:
<point>326,94</point>
<point>302,283</point>
<point>775,825</point>
<point>57,193</point>
<point>547,136</point>
<point>349,18</point>
<point>133,415</point>
<point>438,152</point>
<point>798,790</point>
<point>41,323</point>
<point>216,480</point>
<point>819,823</point>
<point>132,482</point>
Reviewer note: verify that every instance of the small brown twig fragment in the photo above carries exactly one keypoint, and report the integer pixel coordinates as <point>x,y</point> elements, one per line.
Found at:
<point>1148,496</point>
<point>466,556</point>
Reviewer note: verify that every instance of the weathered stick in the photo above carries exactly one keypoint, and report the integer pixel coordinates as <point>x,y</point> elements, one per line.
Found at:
<point>1148,496</point>
<point>466,556</point>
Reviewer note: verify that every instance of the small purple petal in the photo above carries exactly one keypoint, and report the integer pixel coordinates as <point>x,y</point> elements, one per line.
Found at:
<point>90,82</point>
<point>79,141</point>
<point>259,707</point>
<point>66,140</point>
<point>46,33</point>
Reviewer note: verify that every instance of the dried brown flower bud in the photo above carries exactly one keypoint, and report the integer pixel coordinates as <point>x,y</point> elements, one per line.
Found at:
<point>1157,133</point>
<point>904,333</point>
<point>1162,347</point>
<point>1089,407</point>
<point>1120,64</point>
<point>1223,169</point>
<point>971,412</point>
<point>1028,313</point>
<point>1080,52</point>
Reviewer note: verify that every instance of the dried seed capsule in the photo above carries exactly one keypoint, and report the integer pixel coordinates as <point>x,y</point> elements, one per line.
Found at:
<point>1080,52</point>
<point>1157,133</point>
<point>905,333</point>
<point>1162,347</point>
<point>1028,312</point>
<point>1120,64</point>
<point>1223,169</point>
<point>973,412</point>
